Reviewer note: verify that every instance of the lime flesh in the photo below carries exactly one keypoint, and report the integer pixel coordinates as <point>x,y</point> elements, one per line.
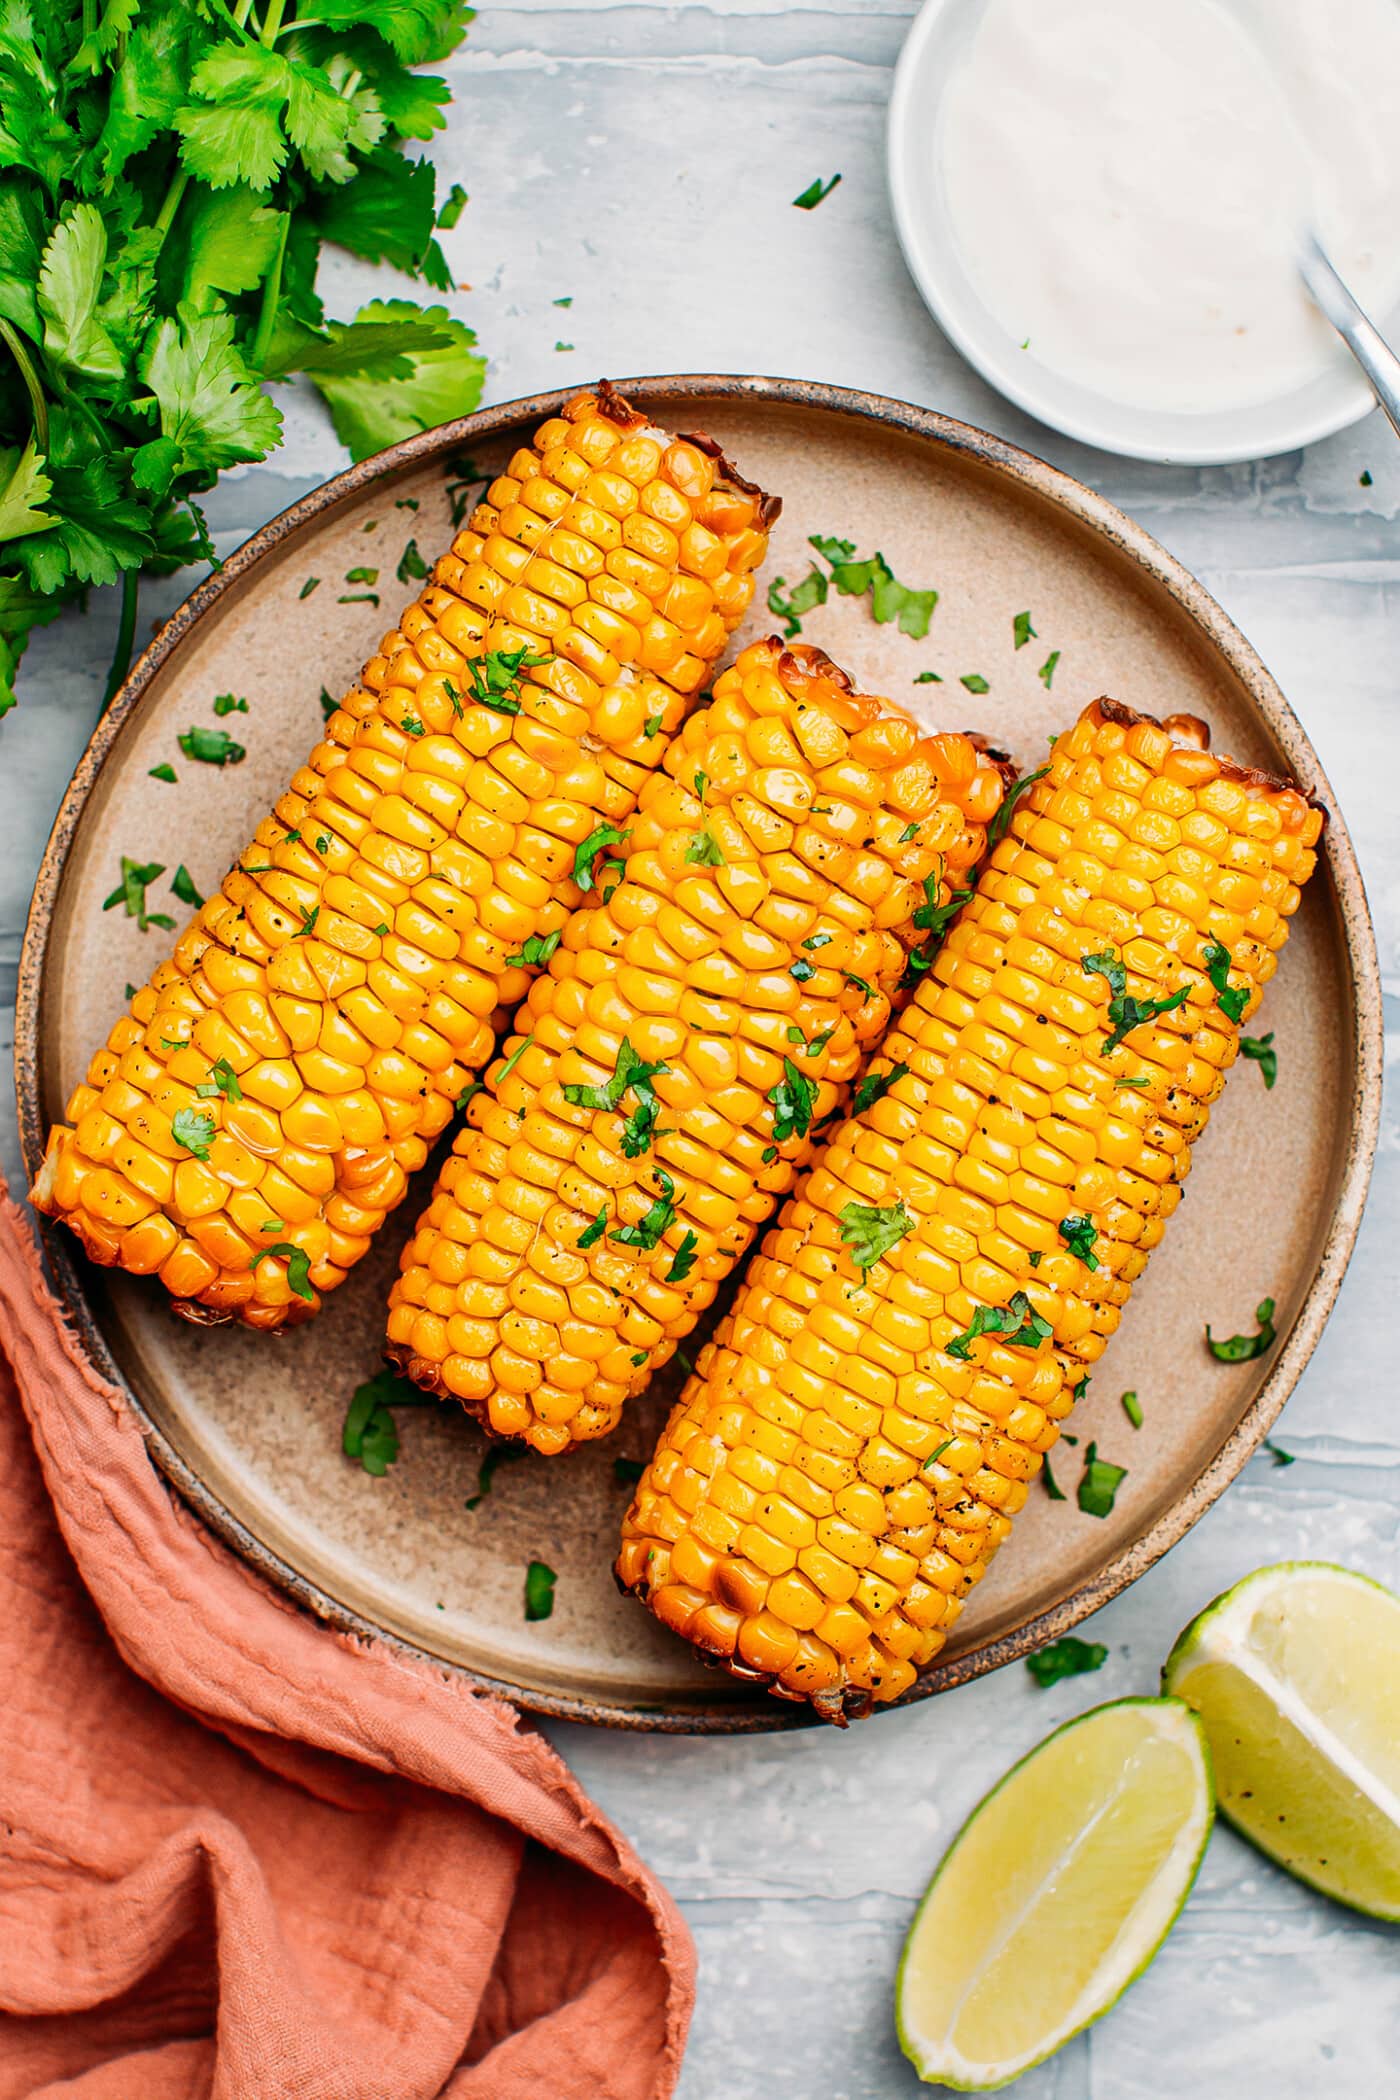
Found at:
<point>1055,1894</point>
<point>1296,1675</point>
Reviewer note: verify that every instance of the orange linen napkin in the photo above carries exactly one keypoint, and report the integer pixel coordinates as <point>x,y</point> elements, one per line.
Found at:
<point>243,1857</point>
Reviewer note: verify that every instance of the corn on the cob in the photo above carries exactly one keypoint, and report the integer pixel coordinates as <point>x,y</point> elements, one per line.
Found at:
<point>851,1451</point>
<point>257,1110</point>
<point>691,1032</point>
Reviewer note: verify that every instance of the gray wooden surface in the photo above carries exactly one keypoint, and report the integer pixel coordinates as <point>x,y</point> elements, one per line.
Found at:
<point>641,160</point>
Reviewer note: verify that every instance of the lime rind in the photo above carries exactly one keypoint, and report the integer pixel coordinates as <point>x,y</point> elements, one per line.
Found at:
<point>1217,1636</point>
<point>1091,2004</point>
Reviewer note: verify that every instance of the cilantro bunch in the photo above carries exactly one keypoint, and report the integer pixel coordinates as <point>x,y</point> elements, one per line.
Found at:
<point>168,172</point>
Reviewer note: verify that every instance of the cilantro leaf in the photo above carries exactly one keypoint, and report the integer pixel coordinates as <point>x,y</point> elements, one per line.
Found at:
<point>870,1231</point>
<point>195,1129</point>
<point>130,893</point>
<point>370,1433</point>
<point>794,1097</point>
<point>685,1258</point>
<point>586,855</point>
<point>1099,1483</point>
<point>975,682</point>
<point>212,747</point>
<point>649,1230</point>
<point>496,677</point>
<point>183,884</point>
<point>1021,629</point>
<point>440,383</point>
<point>1243,1348</point>
<point>874,1086</point>
<point>540,1579</point>
<point>1260,1048</point>
<point>298,1267</point>
<point>1018,1324</point>
<point>536,950</point>
<point>222,1080</point>
<point>1079,1234</point>
<point>1232,999</point>
<point>208,400</point>
<point>1125,1012</point>
<point>24,487</point>
<point>803,598</point>
<point>1132,1408</point>
<point>495,1455</point>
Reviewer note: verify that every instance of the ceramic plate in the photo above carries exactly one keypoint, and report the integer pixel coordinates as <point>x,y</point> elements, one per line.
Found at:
<point>249,1428</point>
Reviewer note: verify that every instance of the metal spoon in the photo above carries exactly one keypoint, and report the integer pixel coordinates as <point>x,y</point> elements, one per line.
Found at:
<point>1365,342</point>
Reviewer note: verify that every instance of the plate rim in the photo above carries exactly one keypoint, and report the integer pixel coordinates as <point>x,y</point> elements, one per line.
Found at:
<point>1064,493</point>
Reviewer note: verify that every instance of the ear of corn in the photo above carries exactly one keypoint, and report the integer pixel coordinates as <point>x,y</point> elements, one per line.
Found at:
<point>256,1112</point>
<point>855,1443</point>
<point>692,1032</point>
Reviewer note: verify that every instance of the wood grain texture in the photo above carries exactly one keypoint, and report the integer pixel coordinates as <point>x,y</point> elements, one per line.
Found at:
<point>642,161</point>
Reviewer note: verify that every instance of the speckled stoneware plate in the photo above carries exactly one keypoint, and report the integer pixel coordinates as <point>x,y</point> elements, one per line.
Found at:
<point>249,1428</point>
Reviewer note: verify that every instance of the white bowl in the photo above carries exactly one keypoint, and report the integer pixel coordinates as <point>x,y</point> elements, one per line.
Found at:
<point>934,47</point>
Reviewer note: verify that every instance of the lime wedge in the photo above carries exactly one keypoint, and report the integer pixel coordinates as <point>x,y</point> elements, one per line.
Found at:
<point>1055,1894</point>
<point>1296,1674</point>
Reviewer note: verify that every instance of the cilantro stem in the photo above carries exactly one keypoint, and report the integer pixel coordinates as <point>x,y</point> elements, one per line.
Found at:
<point>173,197</point>
<point>126,637</point>
<point>15,345</point>
<point>271,299</point>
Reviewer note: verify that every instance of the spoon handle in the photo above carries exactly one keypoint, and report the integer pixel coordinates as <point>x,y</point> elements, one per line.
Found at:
<point>1365,342</point>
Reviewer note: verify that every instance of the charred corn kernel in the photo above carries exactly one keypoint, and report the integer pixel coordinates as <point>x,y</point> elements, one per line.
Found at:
<point>346,979</point>
<point>1012,1173</point>
<point>673,1064</point>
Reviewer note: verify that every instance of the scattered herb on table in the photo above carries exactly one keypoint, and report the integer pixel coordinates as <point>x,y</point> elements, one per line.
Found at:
<point>1021,629</point>
<point>1099,1483</point>
<point>815,191</point>
<point>358,598</point>
<point>563,346</point>
<point>568,301</point>
<point>1243,1348</point>
<point>540,1579</point>
<point>1069,1657</point>
<point>171,173</point>
<point>1277,1453</point>
<point>453,205</point>
<point>1365,478</point>
<point>362,575</point>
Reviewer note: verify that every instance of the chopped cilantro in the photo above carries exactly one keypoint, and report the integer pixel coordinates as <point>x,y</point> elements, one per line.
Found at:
<point>230,704</point>
<point>889,598</point>
<point>802,970</point>
<point>308,923</point>
<point>651,727</point>
<point>362,575</point>
<point>222,1080</point>
<point>1001,822</point>
<point>195,1129</point>
<point>586,855</point>
<point>411,564</point>
<point>628,1471</point>
<point>684,1262</point>
<point>591,1234</point>
<point>1099,1483</point>
<point>1277,1453</point>
<point>1021,629</point>
<point>1365,477</point>
<point>130,893</point>
<point>975,682</point>
<point>369,1432</point>
<point>1018,1324</point>
<point>358,598</point>
<point>512,1061</point>
<point>1047,670</point>
<point>909,833</point>
<point>631,1074</point>
<point>1048,1481</point>
<point>793,1097</point>
<point>803,598</point>
<point>1125,1013</point>
<point>929,678</point>
<point>1232,999</point>
<point>540,1579</point>
<point>298,1267</point>
<point>453,205</point>
<point>563,302</point>
<point>815,191</point>
<point>537,949</point>
<point>1243,1348</point>
<point>874,1086</point>
<point>649,1231</point>
<point>817,940</point>
<point>1261,1049</point>
<point>704,850</point>
<point>1132,1408</point>
<point>212,747</point>
<point>311,584</point>
<point>412,726</point>
<point>182,883</point>
<point>1079,1235</point>
<point>328,706</point>
<point>563,346</point>
<point>937,1452</point>
<point>1069,1657</point>
<point>494,1455</point>
<point>870,1232</point>
<point>163,772</point>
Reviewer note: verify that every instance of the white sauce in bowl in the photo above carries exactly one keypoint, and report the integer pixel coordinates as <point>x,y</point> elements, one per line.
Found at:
<point>1124,181</point>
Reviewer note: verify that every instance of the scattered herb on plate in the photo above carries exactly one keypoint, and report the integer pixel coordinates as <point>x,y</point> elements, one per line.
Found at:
<point>1069,1657</point>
